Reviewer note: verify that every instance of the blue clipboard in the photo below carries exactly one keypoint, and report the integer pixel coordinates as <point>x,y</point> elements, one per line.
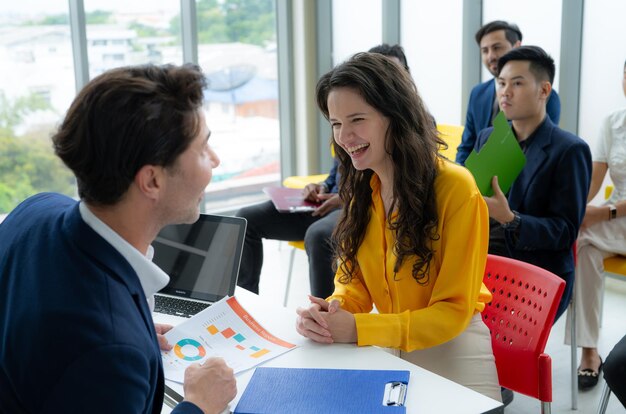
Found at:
<point>315,391</point>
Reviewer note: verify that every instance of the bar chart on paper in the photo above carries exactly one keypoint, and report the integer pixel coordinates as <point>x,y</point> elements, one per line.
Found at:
<point>225,330</point>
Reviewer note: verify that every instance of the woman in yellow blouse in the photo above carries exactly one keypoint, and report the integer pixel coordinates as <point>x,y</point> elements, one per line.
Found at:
<point>412,239</point>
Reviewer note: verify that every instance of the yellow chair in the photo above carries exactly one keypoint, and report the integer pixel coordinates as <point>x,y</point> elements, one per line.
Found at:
<point>297,181</point>
<point>615,267</point>
<point>300,181</point>
<point>451,134</point>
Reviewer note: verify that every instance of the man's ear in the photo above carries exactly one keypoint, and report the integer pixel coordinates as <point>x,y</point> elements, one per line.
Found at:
<point>517,44</point>
<point>545,89</point>
<point>149,180</point>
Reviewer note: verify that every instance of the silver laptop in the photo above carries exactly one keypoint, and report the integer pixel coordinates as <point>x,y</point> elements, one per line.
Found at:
<point>202,260</point>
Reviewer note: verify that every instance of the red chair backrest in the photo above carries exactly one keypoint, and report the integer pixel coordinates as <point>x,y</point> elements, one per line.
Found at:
<point>520,316</point>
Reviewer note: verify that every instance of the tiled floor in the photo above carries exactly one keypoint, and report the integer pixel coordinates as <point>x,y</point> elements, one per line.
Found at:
<point>273,279</point>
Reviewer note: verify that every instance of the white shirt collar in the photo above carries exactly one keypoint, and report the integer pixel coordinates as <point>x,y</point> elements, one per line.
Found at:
<point>151,277</point>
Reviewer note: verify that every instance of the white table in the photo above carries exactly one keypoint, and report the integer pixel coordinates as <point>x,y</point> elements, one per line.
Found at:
<point>427,392</point>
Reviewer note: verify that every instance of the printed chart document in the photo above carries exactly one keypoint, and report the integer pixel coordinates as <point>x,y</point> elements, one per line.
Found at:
<point>501,155</point>
<point>224,330</point>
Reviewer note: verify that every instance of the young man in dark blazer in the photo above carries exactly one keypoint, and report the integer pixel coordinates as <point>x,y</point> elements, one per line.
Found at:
<point>76,331</point>
<point>494,39</point>
<point>538,220</point>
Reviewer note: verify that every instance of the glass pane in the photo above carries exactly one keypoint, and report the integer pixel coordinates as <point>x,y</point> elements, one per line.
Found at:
<point>357,27</point>
<point>237,51</point>
<point>132,32</point>
<point>36,88</point>
<point>431,36</point>
<point>602,67</point>
<point>541,29</point>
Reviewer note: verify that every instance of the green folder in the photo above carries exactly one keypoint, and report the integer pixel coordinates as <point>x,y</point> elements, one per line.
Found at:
<point>501,155</point>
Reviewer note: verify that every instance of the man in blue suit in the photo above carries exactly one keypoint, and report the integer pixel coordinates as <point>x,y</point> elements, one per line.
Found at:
<point>538,221</point>
<point>494,39</point>
<point>76,280</point>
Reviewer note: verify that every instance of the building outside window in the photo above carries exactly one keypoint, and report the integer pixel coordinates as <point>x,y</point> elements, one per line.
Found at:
<point>36,87</point>
<point>237,52</point>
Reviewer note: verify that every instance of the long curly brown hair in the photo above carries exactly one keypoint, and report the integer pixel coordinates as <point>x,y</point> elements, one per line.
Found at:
<point>411,141</point>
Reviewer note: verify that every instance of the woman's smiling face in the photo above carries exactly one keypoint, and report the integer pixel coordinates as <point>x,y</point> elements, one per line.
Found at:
<point>359,129</point>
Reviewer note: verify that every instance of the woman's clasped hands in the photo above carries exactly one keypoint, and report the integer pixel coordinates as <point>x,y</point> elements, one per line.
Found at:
<point>326,322</point>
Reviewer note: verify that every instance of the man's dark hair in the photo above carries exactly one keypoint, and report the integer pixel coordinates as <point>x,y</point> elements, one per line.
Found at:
<point>394,51</point>
<point>125,119</point>
<point>511,31</point>
<point>541,64</point>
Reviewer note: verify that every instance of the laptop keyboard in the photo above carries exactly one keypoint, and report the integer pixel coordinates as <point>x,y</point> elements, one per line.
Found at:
<point>178,307</point>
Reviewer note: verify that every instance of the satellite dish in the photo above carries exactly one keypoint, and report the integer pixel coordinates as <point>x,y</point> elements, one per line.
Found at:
<point>230,78</point>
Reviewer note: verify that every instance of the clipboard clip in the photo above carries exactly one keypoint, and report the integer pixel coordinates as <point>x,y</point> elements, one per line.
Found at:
<point>395,394</point>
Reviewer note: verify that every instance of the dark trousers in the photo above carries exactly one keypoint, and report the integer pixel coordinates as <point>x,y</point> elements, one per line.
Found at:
<point>615,371</point>
<point>265,222</point>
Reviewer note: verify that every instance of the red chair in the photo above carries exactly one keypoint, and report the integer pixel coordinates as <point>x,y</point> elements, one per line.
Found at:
<point>520,316</point>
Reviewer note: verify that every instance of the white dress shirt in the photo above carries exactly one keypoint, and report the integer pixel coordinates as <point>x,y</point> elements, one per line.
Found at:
<point>151,277</point>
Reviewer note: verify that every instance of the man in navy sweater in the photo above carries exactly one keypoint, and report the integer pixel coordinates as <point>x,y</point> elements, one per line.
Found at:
<point>494,39</point>
<point>76,280</point>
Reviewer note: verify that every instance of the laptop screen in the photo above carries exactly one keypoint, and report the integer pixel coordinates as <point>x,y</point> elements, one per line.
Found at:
<point>202,259</point>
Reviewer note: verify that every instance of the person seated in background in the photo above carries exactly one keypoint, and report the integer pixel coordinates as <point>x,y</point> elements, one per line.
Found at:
<point>265,222</point>
<point>494,39</point>
<point>316,228</point>
<point>538,221</point>
<point>393,52</point>
<point>76,280</point>
<point>413,239</point>
<point>615,371</point>
<point>603,234</point>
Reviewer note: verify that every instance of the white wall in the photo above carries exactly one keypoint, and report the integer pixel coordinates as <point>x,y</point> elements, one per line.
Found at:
<point>539,21</point>
<point>603,55</point>
<point>357,27</point>
<point>431,37</point>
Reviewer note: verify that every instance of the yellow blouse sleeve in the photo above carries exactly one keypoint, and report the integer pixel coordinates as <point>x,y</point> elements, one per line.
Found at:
<point>354,296</point>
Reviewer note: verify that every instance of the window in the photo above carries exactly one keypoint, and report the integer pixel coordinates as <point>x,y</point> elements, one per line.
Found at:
<point>114,58</point>
<point>237,51</point>
<point>131,32</point>
<point>42,93</point>
<point>36,88</point>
